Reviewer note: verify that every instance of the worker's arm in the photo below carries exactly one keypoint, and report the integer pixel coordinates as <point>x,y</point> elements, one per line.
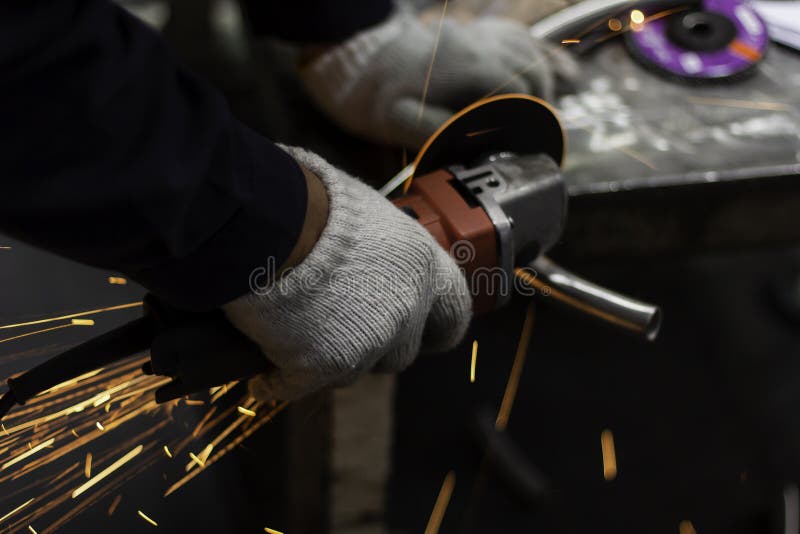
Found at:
<point>114,155</point>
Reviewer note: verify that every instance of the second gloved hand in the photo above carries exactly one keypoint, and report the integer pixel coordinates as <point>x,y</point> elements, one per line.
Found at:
<point>375,290</point>
<point>373,84</point>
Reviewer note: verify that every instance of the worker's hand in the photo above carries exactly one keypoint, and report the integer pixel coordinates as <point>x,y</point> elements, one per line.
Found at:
<point>373,85</point>
<point>374,291</point>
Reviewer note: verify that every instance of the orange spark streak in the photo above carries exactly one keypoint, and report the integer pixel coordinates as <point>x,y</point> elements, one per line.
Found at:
<point>516,371</point>
<point>203,421</point>
<point>245,411</point>
<point>71,382</point>
<point>107,471</point>
<point>87,470</point>
<point>473,361</point>
<point>42,331</point>
<point>114,504</point>
<point>166,451</point>
<point>141,514</point>
<point>435,521</point>
<point>483,132</point>
<point>229,447</point>
<point>609,455</point>
<point>17,509</point>
<point>73,315</point>
<point>430,65</point>
<point>271,531</point>
<point>117,280</point>
<point>197,460</point>
<point>64,473</point>
<point>24,455</point>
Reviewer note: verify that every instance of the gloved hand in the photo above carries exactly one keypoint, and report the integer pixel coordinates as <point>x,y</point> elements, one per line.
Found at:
<point>374,291</point>
<point>373,84</point>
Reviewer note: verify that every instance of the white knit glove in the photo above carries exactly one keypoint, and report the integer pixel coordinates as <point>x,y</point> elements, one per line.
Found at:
<point>372,84</point>
<point>374,291</point>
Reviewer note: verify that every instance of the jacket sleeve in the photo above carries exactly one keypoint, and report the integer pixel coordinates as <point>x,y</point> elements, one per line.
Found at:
<point>114,155</point>
<point>314,21</point>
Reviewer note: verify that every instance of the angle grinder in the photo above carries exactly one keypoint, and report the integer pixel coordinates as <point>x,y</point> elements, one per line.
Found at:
<point>487,185</point>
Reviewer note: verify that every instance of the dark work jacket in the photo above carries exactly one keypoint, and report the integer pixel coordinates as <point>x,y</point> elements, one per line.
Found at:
<point>114,155</point>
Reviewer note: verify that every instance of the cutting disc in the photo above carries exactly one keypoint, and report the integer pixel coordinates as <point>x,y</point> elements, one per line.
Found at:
<point>709,40</point>
<point>516,123</point>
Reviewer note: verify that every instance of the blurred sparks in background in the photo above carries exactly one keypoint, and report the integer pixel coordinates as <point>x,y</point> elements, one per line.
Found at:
<point>609,455</point>
<point>473,361</point>
<point>442,501</point>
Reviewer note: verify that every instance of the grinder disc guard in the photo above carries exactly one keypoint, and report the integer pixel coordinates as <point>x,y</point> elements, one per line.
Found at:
<point>516,123</point>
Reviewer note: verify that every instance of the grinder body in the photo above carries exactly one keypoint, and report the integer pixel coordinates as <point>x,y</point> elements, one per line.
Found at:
<point>488,188</point>
<point>491,217</point>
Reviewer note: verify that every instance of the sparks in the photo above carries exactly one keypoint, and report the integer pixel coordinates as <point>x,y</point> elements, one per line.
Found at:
<point>32,530</point>
<point>473,361</point>
<point>516,371</point>
<point>87,469</point>
<point>430,65</point>
<point>37,332</point>
<point>570,41</point>
<point>609,455</point>
<point>117,280</point>
<point>245,411</point>
<point>143,516</point>
<point>82,322</point>
<point>107,471</point>
<point>637,17</point>
<point>166,451</point>
<point>70,382</point>
<point>196,459</point>
<point>17,509</point>
<point>483,132</point>
<point>73,315</point>
<point>114,504</point>
<point>271,531</point>
<point>28,453</point>
<point>100,426</point>
<point>232,445</point>
<point>442,501</point>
